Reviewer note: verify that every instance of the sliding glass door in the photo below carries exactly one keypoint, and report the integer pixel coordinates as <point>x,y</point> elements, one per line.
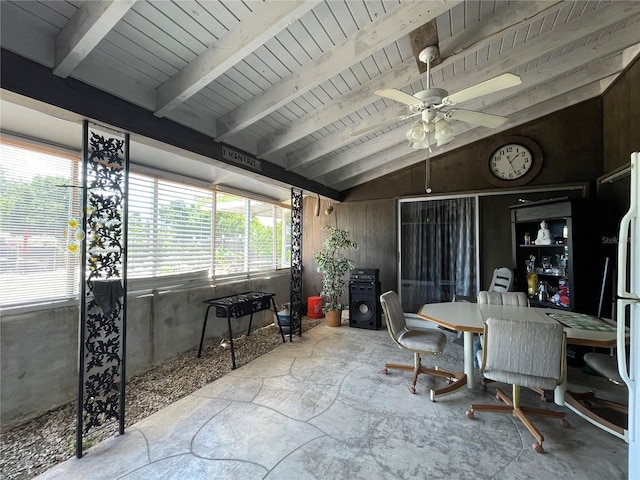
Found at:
<point>438,250</point>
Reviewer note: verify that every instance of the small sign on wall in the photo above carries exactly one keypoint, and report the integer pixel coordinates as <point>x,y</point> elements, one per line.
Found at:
<point>241,159</point>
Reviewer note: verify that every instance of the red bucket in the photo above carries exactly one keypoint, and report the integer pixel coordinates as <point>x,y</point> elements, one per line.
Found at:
<point>314,307</point>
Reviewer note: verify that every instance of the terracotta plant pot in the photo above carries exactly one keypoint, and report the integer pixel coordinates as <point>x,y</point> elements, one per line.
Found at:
<point>333,318</point>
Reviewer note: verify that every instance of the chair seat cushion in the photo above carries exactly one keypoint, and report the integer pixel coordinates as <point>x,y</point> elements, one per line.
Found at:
<point>427,341</point>
<point>521,379</point>
<point>605,365</point>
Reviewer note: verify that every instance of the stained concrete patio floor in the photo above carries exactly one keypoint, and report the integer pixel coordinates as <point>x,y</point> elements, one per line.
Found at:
<point>320,408</point>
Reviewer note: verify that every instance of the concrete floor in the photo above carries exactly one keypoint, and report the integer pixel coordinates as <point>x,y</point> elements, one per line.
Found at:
<point>320,408</point>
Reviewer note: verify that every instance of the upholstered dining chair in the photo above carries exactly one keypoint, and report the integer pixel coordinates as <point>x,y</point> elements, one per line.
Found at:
<point>523,354</point>
<point>512,299</point>
<point>501,280</point>
<point>419,342</point>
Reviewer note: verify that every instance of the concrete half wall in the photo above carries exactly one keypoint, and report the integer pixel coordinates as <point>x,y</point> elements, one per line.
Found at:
<point>39,369</point>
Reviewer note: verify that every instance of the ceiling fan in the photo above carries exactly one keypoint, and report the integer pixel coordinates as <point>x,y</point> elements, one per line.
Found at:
<point>432,105</point>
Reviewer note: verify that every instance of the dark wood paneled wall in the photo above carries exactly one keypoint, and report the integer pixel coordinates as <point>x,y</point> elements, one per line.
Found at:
<point>580,143</point>
<point>371,224</point>
<point>621,113</point>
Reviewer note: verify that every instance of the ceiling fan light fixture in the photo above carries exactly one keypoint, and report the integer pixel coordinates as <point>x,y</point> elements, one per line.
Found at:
<point>420,145</point>
<point>417,133</point>
<point>443,133</point>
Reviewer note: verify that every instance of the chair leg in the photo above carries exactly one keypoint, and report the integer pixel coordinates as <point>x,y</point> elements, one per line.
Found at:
<point>417,363</point>
<point>512,405</point>
<point>456,380</point>
<point>541,392</point>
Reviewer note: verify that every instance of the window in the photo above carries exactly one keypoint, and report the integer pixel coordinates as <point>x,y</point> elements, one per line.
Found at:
<point>175,231</point>
<point>251,236</point>
<point>169,228</point>
<point>37,199</point>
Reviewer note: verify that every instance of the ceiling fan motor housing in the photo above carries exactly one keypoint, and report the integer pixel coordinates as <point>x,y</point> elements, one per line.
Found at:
<point>430,97</point>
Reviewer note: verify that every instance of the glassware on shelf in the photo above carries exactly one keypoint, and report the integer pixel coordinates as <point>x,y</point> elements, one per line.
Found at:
<point>543,291</point>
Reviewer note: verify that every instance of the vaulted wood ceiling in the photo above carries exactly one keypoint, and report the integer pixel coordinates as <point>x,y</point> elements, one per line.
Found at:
<point>288,82</point>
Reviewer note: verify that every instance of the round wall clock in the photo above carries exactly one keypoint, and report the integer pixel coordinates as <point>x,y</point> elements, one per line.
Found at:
<point>514,161</point>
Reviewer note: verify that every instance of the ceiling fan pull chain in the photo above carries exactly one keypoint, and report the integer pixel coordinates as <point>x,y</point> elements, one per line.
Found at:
<point>427,175</point>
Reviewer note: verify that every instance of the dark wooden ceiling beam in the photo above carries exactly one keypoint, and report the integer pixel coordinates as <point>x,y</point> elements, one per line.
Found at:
<point>423,37</point>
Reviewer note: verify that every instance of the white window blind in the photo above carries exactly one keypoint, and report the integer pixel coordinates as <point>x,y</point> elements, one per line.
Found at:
<point>169,227</point>
<point>262,236</point>
<point>232,234</point>
<point>37,199</point>
<point>283,221</point>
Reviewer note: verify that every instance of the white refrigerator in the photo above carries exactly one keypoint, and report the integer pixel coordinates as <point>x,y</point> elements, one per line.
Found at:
<point>628,307</point>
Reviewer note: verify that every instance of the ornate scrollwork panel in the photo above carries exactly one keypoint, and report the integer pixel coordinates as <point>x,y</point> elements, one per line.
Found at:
<point>103,292</point>
<point>296,259</point>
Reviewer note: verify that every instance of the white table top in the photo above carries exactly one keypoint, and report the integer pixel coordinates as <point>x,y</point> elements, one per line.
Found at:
<point>470,317</point>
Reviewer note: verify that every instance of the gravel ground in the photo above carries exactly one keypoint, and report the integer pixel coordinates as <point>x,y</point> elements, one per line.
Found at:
<point>36,445</point>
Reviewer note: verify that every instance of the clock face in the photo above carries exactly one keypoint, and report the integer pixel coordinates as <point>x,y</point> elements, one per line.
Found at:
<point>511,161</point>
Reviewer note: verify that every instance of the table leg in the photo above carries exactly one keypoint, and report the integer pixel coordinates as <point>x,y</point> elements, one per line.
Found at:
<point>275,310</point>
<point>560,391</point>
<point>468,357</point>
<point>250,320</point>
<point>233,353</point>
<point>204,327</point>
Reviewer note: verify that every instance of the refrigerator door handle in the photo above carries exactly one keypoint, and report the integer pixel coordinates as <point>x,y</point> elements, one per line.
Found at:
<point>621,338</point>
<point>629,219</point>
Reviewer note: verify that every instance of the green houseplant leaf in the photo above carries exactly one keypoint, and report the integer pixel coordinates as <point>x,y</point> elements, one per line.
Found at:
<point>333,265</point>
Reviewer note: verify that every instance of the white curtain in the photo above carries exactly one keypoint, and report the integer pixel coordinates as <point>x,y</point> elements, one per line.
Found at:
<point>438,250</point>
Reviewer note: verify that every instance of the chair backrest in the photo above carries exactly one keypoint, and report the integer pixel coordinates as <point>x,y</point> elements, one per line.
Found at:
<point>392,308</point>
<point>526,353</point>
<point>501,281</point>
<point>510,299</point>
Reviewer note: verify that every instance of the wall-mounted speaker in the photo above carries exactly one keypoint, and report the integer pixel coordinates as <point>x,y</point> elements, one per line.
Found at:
<point>364,305</point>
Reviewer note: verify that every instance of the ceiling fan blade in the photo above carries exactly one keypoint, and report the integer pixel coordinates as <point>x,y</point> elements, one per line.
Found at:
<point>398,96</point>
<point>477,118</point>
<point>376,126</point>
<point>492,85</point>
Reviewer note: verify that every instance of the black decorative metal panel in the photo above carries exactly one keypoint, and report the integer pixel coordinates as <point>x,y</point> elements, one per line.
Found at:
<point>101,385</point>
<point>296,260</point>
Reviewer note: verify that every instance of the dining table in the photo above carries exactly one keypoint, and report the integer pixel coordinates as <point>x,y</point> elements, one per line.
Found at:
<point>469,318</point>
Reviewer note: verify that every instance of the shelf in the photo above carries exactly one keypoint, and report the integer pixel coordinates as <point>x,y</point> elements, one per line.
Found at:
<point>534,302</point>
<point>555,245</point>
<point>554,275</point>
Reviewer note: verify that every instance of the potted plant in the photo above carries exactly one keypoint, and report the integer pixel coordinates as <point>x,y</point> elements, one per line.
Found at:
<point>333,265</point>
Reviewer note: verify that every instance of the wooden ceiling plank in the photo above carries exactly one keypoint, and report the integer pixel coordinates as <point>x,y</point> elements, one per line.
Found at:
<point>333,111</point>
<point>88,26</point>
<point>265,22</point>
<point>492,25</point>
<point>363,44</point>
<point>590,23</point>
